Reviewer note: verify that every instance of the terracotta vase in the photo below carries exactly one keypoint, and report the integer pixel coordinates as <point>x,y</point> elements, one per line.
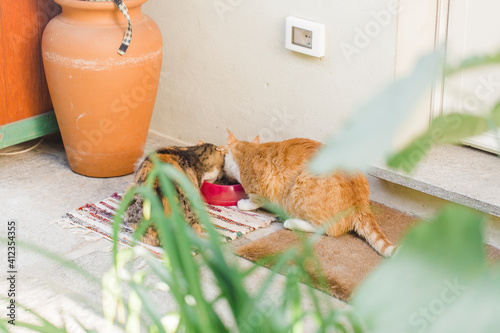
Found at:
<point>103,101</point>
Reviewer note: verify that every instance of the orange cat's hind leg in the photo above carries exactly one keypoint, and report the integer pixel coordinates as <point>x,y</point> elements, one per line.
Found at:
<point>365,225</point>
<point>339,228</point>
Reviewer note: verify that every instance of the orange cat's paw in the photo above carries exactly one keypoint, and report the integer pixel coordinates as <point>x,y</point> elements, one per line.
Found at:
<point>299,225</point>
<point>247,204</point>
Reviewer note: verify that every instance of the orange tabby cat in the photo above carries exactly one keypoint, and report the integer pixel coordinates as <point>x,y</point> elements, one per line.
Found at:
<point>276,171</point>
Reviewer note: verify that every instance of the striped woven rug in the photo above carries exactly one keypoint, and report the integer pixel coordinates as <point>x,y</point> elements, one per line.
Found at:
<point>230,222</point>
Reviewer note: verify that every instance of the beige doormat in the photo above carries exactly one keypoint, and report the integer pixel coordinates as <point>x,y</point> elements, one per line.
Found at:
<point>345,260</point>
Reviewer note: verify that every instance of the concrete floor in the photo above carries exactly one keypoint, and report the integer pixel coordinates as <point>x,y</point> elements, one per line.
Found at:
<point>36,189</point>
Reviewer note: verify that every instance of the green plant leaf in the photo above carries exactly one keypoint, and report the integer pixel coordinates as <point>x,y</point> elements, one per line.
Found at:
<point>430,285</point>
<point>369,135</point>
<point>170,322</point>
<point>57,258</point>
<point>495,114</point>
<point>143,297</point>
<point>135,306</point>
<point>450,128</point>
<point>484,318</point>
<point>112,303</point>
<point>181,271</point>
<point>474,62</point>
<point>45,327</point>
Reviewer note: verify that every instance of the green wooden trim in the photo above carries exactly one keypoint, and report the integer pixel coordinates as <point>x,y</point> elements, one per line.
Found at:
<point>28,129</point>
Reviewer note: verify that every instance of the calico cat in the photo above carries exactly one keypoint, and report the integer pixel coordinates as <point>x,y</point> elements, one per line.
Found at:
<point>202,162</point>
<point>276,172</point>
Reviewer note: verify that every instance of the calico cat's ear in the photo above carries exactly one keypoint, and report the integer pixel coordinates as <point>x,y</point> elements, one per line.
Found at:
<point>221,149</point>
<point>256,140</point>
<point>199,143</point>
<point>230,137</point>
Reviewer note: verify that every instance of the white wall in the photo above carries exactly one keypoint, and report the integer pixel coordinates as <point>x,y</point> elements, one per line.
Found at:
<point>225,66</point>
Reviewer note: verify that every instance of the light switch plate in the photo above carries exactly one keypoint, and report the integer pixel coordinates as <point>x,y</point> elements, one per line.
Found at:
<point>305,36</point>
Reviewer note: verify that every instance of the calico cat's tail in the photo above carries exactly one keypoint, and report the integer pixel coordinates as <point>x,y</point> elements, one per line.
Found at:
<point>366,226</point>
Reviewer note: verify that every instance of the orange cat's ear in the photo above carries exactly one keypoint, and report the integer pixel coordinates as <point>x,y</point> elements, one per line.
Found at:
<point>230,137</point>
<point>199,143</point>
<point>256,140</point>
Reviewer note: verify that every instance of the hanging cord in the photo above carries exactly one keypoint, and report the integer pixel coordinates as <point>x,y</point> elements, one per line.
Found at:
<point>128,35</point>
<point>22,151</point>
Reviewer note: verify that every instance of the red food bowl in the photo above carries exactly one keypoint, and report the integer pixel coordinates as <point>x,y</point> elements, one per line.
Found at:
<point>222,195</point>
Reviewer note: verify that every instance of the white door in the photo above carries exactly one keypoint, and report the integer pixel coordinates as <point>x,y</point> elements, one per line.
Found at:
<point>473,29</point>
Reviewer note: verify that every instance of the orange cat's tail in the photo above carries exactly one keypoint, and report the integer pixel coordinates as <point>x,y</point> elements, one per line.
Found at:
<point>366,226</point>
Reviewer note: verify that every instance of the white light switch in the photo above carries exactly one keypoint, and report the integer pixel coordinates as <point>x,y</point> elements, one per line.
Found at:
<point>305,36</point>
